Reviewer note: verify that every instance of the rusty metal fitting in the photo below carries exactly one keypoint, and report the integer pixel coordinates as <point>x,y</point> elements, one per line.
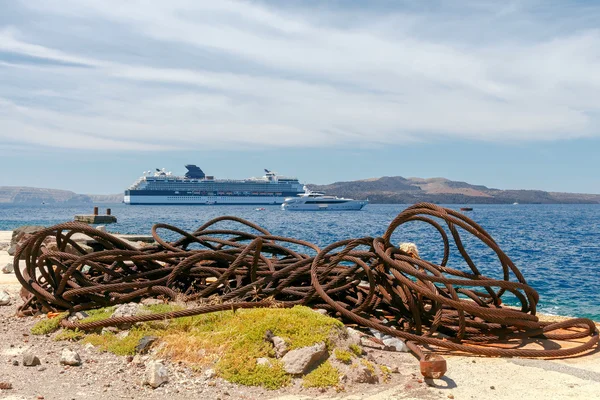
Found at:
<point>433,366</point>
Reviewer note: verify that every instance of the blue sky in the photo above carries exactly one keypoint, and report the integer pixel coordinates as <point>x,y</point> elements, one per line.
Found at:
<point>506,94</point>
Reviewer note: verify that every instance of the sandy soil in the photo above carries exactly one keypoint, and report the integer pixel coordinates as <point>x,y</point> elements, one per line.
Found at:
<point>113,377</point>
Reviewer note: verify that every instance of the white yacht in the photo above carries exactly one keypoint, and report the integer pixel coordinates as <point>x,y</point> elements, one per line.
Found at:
<point>312,201</point>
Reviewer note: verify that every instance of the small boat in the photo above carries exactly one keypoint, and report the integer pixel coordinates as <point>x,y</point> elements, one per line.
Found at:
<point>466,209</point>
<point>311,201</point>
<point>260,209</point>
<point>515,204</point>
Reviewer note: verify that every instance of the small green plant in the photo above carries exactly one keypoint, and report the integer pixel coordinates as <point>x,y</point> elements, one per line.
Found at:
<point>369,366</point>
<point>70,335</point>
<point>355,349</point>
<point>325,375</point>
<point>343,356</point>
<point>48,325</point>
<point>386,373</point>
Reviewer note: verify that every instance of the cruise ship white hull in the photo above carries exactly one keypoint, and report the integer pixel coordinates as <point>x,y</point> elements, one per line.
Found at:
<point>202,200</point>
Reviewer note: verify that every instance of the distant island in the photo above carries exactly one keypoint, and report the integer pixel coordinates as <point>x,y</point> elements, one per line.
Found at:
<point>399,190</point>
<point>384,190</point>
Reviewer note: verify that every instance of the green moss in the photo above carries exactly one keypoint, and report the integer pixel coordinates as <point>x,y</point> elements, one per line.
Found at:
<point>325,375</point>
<point>48,325</point>
<point>97,315</point>
<point>355,349</point>
<point>343,356</point>
<point>68,334</point>
<point>162,308</point>
<point>123,346</point>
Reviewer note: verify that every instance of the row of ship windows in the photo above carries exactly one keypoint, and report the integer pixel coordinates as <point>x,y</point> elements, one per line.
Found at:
<point>211,198</point>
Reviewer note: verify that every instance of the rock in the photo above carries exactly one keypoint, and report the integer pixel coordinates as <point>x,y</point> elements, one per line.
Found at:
<point>151,302</point>
<point>126,310</point>
<point>209,373</point>
<point>31,360</point>
<point>8,268</point>
<point>77,316</point>
<point>144,344</point>
<point>70,357</point>
<point>156,374</point>
<point>20,235</point>
<point>89,346</point>
<point>365,374</point>
<point>109,329</point>
<point>101,228</point>
<point>263,361</point>
<point>15,363</point>
<point>122,335</point>
<point>301,360</point>
<point>279,346</point>
<point>41,369</point>
<point>4,298</point>
<point>139,360</point>
<point>321,311</point>
<point>390,342</point>
<point>354,336</point>
<point>395,344</point>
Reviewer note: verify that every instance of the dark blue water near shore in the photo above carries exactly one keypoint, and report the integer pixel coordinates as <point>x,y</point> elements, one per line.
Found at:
<point>556,247</point>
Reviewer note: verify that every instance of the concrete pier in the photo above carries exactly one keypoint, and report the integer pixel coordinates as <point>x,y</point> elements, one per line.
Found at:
<point>97,219</point>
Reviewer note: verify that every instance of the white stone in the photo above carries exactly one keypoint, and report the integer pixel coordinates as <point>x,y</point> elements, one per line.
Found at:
<point>279,346</point>
<point>8,268</point>
<point>126,310</point>
<point>70,357</point>
<point>300,360</point>
<point>156,374</point>
<point>4,298</point>
<point>393,343</point>
<point>390,342</point>
<point>354,336</point>
<point>101,228</point>
<point>263,361</point>
<point>209,373</point>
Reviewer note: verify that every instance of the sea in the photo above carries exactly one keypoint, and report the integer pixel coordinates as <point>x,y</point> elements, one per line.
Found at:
<point>556,247</point>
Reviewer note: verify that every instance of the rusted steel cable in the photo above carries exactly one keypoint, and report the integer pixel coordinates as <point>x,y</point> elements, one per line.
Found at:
<point>366,281</point>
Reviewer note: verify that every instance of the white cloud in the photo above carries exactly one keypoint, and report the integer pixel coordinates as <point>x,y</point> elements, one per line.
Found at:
<point>203,74</point>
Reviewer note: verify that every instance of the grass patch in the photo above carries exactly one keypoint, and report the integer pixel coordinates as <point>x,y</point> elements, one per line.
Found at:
<point>325,375</point>
<point>48,325</point>
<point>343,356</point>
<point>70,335</point>
<point>355,349</point>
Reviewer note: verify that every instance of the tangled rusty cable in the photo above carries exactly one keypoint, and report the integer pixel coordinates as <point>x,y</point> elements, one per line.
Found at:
<point>366,281</point>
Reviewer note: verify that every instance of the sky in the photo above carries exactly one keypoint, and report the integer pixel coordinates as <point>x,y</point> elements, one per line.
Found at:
<point>500,93</point>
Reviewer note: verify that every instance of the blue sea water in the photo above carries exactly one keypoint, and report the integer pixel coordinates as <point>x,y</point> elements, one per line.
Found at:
<point>556,247</point>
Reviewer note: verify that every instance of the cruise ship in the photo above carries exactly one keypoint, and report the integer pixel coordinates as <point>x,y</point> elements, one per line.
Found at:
<point>161,187</point>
